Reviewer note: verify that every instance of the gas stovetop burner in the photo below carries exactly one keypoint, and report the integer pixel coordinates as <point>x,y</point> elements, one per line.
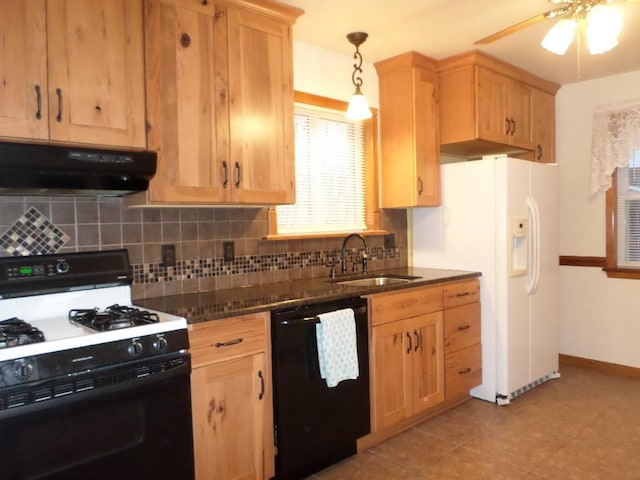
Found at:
<point>14,332</point>
<point>113,317</point>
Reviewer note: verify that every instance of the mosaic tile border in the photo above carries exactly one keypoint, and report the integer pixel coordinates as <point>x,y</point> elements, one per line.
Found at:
<point>149,273</point>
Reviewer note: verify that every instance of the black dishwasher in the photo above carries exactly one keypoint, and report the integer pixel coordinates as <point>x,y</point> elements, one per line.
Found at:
<point>315,426</point>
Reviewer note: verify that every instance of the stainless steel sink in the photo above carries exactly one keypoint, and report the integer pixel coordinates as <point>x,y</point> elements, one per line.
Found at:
<point>376,281</point>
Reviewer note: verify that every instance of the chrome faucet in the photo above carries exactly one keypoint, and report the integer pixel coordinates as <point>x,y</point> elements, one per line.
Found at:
<point>364,255</point>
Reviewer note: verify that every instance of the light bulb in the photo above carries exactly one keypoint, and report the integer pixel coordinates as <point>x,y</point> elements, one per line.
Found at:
<point>358,107</point>
<point>560,36</point>
<point>604,23</point>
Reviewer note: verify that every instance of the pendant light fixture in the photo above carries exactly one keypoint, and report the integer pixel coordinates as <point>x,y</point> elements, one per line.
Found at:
<point>358,106</point>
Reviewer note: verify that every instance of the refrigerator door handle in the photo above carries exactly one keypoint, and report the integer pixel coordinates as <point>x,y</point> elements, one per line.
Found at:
<point>534,271</point>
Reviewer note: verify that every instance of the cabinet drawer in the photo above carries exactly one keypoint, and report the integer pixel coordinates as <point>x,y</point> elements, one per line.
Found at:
<point>461,327</point>
<point>221,340</point>
<point>461,293</point>
<point>463,371</point>
<point>387,307</point>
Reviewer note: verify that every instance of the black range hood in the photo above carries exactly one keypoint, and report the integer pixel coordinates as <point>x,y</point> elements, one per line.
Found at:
<point>42,169</point>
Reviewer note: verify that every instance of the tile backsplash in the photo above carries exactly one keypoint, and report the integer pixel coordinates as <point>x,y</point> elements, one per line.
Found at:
<point>37,225</point>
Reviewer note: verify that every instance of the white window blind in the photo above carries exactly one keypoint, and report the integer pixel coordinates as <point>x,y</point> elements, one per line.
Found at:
<point>628,214</point>
<point>330,183</point>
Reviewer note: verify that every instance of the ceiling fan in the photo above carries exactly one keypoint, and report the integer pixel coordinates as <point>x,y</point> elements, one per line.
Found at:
<point>603,24</point>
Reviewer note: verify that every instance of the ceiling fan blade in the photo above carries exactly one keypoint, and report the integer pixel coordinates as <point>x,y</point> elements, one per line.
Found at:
<point>509,30</point>
<point>558,12</point>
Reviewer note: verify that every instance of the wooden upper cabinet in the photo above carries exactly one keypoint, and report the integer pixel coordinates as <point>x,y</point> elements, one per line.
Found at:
<point>505,109</point>
<point>23,68</point>
<point>409,131</point>
<point>219,102</point>
<point>544,126</point>
<point>183,110</point>
<point>96,82</point>
<point>79,74</point>
<point>488,106</point>
<point>260,108</point>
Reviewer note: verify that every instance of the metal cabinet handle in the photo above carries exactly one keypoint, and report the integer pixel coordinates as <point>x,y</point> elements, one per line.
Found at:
<point>238,174</point>
<point>420,186</point>
<point>539,150</point>
<point>463,294</point>
<point>417,335</point>
<point>464,327</point>
<point>225,176</point>
<point>409,337</point>
<point>261,385</point>
<point>465,371</point>
<point>39,102</point>
<point>507,123</point>
<point>513,126</point>
<point>235,341</point>
<point>59,94</point>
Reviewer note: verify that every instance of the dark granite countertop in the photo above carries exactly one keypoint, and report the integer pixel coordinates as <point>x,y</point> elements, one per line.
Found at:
<point>217,304</point>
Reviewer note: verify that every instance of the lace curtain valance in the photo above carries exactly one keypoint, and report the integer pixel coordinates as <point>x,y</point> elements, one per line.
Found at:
<point>616,136</point>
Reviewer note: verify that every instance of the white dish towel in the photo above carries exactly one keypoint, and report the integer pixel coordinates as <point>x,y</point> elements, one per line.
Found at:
<point>337,346</point>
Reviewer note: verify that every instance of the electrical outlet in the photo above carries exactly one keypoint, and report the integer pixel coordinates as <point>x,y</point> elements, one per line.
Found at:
<point>228,254</point>
<point>168,255</point>
<point>390,240</point>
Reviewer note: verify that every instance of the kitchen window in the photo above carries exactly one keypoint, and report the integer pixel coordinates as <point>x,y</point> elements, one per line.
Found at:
<point>336,173</point>
<point>623,225</point>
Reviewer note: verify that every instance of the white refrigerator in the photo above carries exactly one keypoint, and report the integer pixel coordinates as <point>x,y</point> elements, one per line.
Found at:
<point>499,216</point>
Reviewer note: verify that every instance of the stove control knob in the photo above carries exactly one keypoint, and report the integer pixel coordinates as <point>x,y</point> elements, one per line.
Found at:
<point>160,344</point>
<point>62,267</point>
<point>23,370</point>
<point>135,349</point>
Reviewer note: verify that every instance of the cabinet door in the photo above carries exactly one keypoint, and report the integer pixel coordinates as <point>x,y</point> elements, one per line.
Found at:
<point>544,108</point>
<point>391,353</point>
<point>181,40</point>
<point>409,131</point>
<point>427,361</point>
<point>260,108</point>
<point>520,111</point>
<point>95,61</point>
<point>492,100</point>
<point>23,69</point>
<point>228,417</point>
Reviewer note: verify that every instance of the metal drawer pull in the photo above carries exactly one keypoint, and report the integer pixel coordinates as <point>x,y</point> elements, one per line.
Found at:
<point>59,94</point>
<point>409,337</point>
<point>464,294</point>
<point>261,385</point>
<point>225,177</point>
<point>238,175</point>
<point>465,371</point>
<point>235,341</point>
<point>464,327</point>
<point>39,101</point>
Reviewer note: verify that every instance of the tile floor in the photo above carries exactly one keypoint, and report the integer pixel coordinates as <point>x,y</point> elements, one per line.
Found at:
<point>583,426</point>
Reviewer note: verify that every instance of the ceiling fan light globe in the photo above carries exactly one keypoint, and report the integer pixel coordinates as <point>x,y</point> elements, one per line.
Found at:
<point>604,24</point>
<point>560,36</point>
<point>358,107</point>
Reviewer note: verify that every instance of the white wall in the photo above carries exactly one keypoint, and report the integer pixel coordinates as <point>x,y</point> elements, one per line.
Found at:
<point>326,73</point>
<point>600,317</point>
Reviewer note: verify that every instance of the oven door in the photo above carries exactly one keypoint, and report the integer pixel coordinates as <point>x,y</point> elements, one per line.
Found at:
<point>134,423</point>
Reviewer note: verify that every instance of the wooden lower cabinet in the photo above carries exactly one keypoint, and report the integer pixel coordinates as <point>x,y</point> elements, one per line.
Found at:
<point>408,358</point>
<point>408,368</point>
<point>231,399</point>
<point>463,351</point>
<point>425,354</point>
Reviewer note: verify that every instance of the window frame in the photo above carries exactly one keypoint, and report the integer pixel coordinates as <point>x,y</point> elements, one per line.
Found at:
<point>371,174</point>
<point>611,265</point>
